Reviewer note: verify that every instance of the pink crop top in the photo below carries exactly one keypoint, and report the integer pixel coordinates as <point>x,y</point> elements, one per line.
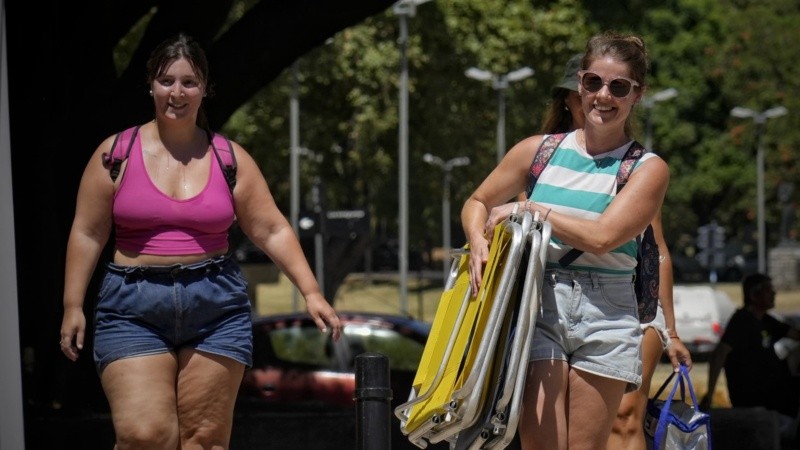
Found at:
<point>147,221</point>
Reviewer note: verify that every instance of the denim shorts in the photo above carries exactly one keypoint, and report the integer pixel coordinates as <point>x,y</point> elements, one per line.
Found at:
<point>144,310</point>
<point>591,321</point>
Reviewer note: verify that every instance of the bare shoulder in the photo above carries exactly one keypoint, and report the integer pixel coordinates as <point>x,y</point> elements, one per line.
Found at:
<point>243,157</point>
<point>653,164</point>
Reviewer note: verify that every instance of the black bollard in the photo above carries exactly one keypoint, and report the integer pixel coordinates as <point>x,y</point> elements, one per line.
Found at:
<point>373,398</point>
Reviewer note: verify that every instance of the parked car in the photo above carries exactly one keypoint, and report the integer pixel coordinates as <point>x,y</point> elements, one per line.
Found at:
<point>293,363</point>
<point>701,314</point>
<point>296,368</point>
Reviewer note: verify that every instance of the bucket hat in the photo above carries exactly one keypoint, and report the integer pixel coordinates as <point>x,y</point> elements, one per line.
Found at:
<point>570,80</point>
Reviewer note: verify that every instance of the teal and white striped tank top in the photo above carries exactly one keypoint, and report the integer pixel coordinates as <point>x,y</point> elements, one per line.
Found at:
<point>579,184</point>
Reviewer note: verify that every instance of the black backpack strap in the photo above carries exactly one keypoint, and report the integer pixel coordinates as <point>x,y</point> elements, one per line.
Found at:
<point>123,140</point>
<point>635,151</point>
<point>546,149</point>
<point>223,150</point>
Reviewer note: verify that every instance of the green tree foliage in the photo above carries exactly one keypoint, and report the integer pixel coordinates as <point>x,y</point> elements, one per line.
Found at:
<point>720,55</point>
<point>348,97</point>
<point>716,54</point>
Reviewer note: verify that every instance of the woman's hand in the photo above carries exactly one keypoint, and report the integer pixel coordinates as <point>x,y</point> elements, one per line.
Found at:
<point>73,327</point>
<point>324,315</point>
<point>478,255</point>
<point>678,354</point>
<point>499,214</point>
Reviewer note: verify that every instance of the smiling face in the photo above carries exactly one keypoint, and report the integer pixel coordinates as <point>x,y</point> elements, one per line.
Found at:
<point>178,92</point>
<point>601,107</point>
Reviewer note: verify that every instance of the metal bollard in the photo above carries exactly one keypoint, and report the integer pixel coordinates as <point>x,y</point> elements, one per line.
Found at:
<point>373,396</point>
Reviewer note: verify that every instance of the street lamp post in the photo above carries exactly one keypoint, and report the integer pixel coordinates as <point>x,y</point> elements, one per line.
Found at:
<point>760,119</point>
<point>294,167</point>
<point>649,102</point>
<point>500,83</point>
<point>447,167</point>
<point>403,9</point>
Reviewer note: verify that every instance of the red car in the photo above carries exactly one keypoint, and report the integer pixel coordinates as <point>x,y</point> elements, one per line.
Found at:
<point>295,364</point>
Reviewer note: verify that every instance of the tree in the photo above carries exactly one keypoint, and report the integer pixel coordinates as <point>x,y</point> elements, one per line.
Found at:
<point>721,55</point>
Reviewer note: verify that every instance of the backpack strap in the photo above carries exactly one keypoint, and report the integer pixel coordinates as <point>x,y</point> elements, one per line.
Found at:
<point>223,150</point>
<point>635,151</point>
<point>546,149</point>
<point>120,150</point>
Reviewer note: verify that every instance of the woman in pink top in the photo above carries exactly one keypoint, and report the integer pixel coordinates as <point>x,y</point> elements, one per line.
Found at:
<point>172,325</point>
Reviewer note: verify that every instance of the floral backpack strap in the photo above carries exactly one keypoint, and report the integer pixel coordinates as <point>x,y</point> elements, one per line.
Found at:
<point>549,145</point>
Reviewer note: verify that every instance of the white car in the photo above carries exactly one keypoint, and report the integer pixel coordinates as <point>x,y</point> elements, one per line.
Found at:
<point>701,314</point>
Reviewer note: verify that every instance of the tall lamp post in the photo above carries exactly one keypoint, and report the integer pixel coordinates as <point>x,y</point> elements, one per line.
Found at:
<point>649,102</point>
<point>403,9</point>
<point>294,167</point>
<point>500,83</point>
<point>447,167</point>
<point>760,119</point>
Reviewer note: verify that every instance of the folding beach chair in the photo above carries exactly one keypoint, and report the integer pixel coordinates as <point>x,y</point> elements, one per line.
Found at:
<point>507,409</point>
<point>499,418</point>
<point>464,371</point>
<point>475,383</point>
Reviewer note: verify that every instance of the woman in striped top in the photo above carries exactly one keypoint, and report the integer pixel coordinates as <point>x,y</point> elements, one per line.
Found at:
<point>585,353</point>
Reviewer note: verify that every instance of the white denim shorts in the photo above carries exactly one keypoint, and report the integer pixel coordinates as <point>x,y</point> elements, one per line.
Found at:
<point>590,320</point>
<point>659,323</point>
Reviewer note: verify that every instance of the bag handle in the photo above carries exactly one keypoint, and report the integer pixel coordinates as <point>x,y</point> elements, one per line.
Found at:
<point>683,377</point>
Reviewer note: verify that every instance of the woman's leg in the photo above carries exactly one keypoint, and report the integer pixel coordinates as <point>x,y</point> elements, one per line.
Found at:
<point>627,432</point>
<point>593,404</point>
<point>543,420</point>
<point>207,387</point>
<point>141,393</point>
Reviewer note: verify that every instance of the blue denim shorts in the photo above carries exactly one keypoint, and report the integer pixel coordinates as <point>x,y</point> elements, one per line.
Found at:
<point>591,321</point>
<point>144,310</point>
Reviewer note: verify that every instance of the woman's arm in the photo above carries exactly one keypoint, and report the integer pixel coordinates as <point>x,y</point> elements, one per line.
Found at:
<point>676,351</point>
<point>88,236</point>
<point>265,225</point>
<point>628,214</point>
<point>506,181</point>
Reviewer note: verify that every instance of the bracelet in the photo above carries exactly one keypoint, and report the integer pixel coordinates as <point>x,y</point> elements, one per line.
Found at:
<point>527,206</point>
<point>547,214</point>
<point>675,337</point>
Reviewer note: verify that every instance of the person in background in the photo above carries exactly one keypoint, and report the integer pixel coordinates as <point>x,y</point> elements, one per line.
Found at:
<point>173,331</point>
<point>754,352</point>
<point>565,114</point>
<point>585,351</point>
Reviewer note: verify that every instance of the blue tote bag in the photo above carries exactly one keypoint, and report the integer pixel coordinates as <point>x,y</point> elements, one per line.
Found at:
<point>677,425</point>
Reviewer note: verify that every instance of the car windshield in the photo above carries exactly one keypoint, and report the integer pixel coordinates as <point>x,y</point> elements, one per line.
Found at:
<point>307,346</point>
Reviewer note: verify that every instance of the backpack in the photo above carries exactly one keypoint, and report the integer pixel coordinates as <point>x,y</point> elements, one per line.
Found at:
<point>123,141</point>
<point>646,279</point>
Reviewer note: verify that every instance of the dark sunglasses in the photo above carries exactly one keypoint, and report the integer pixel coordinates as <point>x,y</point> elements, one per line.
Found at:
<point>619,87</point>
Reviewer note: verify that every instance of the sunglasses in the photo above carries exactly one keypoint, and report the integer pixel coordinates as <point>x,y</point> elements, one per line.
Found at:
<point>619,87</point>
